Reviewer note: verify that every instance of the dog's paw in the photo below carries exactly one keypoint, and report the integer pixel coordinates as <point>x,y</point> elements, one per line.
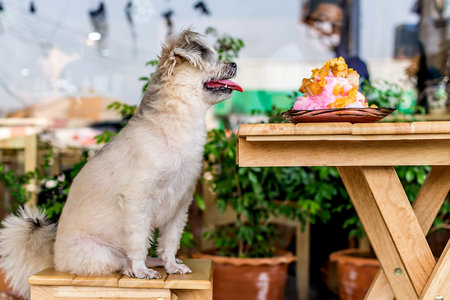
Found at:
<point>177,268</point>
<point>142,273</point>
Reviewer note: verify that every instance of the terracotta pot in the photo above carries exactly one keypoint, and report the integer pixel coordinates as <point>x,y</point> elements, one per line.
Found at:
<point>249,278</point>
<point>356,269</point>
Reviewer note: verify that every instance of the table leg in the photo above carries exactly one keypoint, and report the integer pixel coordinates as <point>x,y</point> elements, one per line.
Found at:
<point>439,284</point>
<point>384,209</point>
<point>302,263</point>
<point>426,206</point>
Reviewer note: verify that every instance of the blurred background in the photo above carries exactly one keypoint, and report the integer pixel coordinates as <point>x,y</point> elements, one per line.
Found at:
<point>73,71</point>
<point>60,52</point>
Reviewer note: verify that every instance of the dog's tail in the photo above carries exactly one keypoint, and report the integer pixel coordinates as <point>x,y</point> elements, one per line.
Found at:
<point>26,247</point>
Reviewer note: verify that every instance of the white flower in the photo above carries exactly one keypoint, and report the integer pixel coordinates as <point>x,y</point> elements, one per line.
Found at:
<point>51,184</point>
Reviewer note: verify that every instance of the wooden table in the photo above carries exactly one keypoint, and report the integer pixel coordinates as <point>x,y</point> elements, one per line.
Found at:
<point>50,284</point>
<point>365,155</point>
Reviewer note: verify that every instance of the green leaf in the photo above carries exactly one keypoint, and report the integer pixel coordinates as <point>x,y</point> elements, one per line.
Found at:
<point>200,202</point>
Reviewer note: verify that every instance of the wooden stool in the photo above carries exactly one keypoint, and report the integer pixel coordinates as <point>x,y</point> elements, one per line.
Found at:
<point>50,284</point>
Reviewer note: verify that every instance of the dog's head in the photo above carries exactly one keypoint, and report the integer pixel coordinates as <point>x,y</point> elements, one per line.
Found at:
<point>190,66</point>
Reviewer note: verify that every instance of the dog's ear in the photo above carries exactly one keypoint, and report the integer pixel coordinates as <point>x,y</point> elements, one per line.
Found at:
<point>186,46</point>
<point>191,55</point>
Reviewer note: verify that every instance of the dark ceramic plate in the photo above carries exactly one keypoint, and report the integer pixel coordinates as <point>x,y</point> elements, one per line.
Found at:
<point>352,115</point>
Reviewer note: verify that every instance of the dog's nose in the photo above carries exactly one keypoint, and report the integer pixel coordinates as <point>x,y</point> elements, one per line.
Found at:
<point>233,65</point>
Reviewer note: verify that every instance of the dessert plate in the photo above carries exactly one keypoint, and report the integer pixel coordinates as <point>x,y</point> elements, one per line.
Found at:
<point>352,115</point>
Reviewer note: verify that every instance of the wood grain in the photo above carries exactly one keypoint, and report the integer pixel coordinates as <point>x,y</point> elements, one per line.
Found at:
<point>377,231</point>
<point>349,153</point>
<point>430,127</point>
<point>381,128</point>
<point>257,129</point>
<point>88,293</point>
<point>50,284</point>
<point>380,288</point>
<point>440,127</point>
<point>396,211</point>
<point>198,279</point>
<point>343,138</point>
<point>426,206</point>
<point>193,294</point>
<point>439,282</point>
<point>431,196</point>
<point>111,280</point>
<point>51,277</point>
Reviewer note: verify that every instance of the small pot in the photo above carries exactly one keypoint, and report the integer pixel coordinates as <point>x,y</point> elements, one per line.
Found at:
<point>249,278</point>
<point>356,270</point>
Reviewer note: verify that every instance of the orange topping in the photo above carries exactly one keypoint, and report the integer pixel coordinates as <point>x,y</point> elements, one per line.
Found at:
<point>352,92</point>
<point>373,106</point>
<point>322,82</point>
<point>313,88</point>
<point>341,102</point>
<point>305,82</point>
<point>315,73</point>
<point>338,89</point>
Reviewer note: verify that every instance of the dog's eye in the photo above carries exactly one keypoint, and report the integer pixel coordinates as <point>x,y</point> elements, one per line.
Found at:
<point>204,52</point>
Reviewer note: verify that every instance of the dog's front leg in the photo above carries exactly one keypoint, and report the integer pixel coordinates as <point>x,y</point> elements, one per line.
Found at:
<point>169,240</point>
<point>137,231</point>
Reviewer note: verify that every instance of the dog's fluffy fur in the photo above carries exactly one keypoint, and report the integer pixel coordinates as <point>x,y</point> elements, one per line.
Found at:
<point>141,180</point>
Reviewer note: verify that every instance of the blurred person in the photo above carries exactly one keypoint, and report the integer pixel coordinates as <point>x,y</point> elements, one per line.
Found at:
<point>325,19</point>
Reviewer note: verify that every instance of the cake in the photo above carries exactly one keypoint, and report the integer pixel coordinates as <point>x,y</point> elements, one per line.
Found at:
<point>335,85</point>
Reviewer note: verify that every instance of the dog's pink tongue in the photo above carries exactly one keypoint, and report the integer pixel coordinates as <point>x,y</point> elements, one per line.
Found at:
<point>219,83</point>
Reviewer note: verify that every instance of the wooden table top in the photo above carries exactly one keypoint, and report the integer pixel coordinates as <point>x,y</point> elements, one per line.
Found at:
<point>344,144</point>
<point>201,278</point>
<point>338,129</point>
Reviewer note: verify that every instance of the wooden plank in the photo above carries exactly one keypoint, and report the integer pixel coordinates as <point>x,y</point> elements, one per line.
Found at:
<point>263,129</point>
<point>111,280</point>
<point>380,288</point>
<point>343,138</point>
<point>426,206</point>
<point>350,153</point>
<point>198,279</point>
<point>13,143</point>
<point>430,127</point>
<point>51,277</point>
<point>297,129</point>
<point>344,128</point>
<point>396,211</point>
<point>30,164</point>
<point>439,282</point>
<point>87,293</point>
<point>132,282</point>
<point>365,205</point>
<point>431,196</point>
<point>381,128</point>
<point>193,294</point>
<point>302,249</point>
<point>322,128</point>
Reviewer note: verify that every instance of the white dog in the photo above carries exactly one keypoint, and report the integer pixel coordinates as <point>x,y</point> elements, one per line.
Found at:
<point>141,180</point>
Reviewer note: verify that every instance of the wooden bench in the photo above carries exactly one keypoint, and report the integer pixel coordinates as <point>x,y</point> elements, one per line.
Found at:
<point>50,284</point>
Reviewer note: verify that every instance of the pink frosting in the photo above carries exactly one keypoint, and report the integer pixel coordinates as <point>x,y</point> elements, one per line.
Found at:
<point>326,97</point>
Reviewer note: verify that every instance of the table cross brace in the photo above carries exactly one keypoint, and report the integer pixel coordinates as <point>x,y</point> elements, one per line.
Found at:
<point>382,205</point>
